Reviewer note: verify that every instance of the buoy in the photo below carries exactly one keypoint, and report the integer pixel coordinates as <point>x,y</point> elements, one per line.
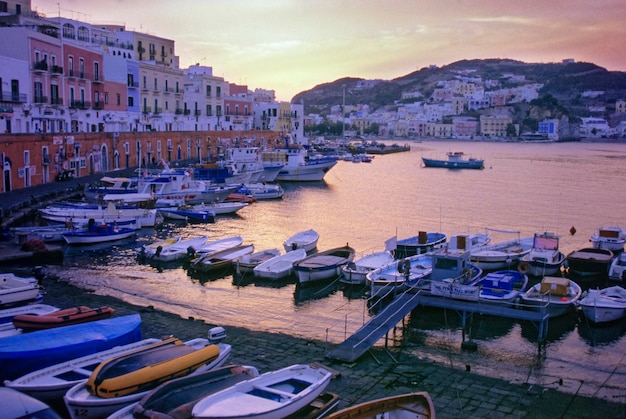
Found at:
<point>523,267</point>
<point>572,230</point>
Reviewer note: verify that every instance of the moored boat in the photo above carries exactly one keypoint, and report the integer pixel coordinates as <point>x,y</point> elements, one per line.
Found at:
<point>604,305</point>
<point>425,241</point>
<point>212,246</point>
<point>15,290</point>
<point>400,274</point>
<point>7,314</point>
<point>298,164</point>
<point>222,259</point>
<point>609,237</point>
<point>323,265</point>
<point>248,262</point>
<point>356,272</point>
<point>453,275</point>
<point>175,251</point>
<point>306,240</point>
<point>544,257</point>
<point>455,160</point>
<point>617,270</point>
<point>280,266</point>
<point>554,295</point>
<point>98,233</point>
<point>413,405</point>
<point>188,213</point>
<point>65,317</point>
<point>502,255</point>
<point>589,261</point>
<point>16,405</point>
<point>502,286</point>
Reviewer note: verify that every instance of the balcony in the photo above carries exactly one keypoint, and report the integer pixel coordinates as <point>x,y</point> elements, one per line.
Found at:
<point>97,79</point>
<point>98,106</point>
<point>40,99</point>
<point>56,101</point>
<point>146,109</point>
<point>40,66</point>
<point>197,112</point>
<point>13,97</point>
<point>133,84</point>
<point>178,111</point>
<point>57,70</point>
<point>158,110</point>
<point>78,104</point>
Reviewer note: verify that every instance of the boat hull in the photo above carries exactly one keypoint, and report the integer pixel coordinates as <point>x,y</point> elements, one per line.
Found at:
<point>87,237</point>
<point>16,291</point>
<point>553,295</point>
<point>414,405</point>
<point>605,305</point>
<point>323,265</point>
<point>280,266</point>
<point>589,261</point>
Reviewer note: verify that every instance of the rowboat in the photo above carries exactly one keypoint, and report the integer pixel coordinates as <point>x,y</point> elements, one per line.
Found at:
<point>413,405</point>
<point>66,317</point>
<point>213,246</point>
<point>98,234</point>
<point>176,251</point>
<point>356,272</point>
<point>554,295</point>
<point>306,240</point>
<point>323,265</point>
<point>248,262</point>
<point>15,290</point>
<point>280,266</point>
<point>589,261</point>
<point>400,274</point>
<point>605,305</point>
<point>16,405</point>
<point>274,394</point>
<point>188,213</point>
<point>223,259</point>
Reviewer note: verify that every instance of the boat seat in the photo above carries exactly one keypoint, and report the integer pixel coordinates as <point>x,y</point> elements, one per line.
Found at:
<point>271,394</point>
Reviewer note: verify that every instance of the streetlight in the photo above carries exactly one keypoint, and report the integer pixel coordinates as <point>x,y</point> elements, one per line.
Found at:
<point>343,113</point>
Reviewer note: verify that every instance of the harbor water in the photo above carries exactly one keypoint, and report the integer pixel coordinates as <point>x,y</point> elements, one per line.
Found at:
<point>529,188</point>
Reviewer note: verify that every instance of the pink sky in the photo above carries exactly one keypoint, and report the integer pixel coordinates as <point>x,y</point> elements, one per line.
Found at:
<point>292,45</point>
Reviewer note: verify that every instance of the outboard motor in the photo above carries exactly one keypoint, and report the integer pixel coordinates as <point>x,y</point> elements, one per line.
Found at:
<point>216,334</point>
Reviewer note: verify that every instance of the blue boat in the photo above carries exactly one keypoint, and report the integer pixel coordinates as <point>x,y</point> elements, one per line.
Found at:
<point>456,160</point>
<point>502,286</point>
<point>189,213</point>
<point>22,354</point>
<point>416,245</point>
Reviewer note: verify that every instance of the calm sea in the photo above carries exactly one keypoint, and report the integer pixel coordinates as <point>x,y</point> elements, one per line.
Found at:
<point>525,187</point>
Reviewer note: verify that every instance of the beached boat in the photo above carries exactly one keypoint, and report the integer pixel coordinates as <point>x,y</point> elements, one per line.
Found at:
<point>617,270</point>
<point>455,160</point>
<point>399,275</point>
<point>248,262</point>
<point>176,398</point>
<point>222,259</point>
<point>28,352</point>
<point>356,272</point>
<point>15,290</point>
<point>323,265</point>
<point>306,240</point>
<point>609,237</point>
<point>125,379</point>
<point>275,394</point>
<point>554,295</point>
<point>544,257</point>
<point>98,233</point>
<point>7,314</point>
<point>175,251</point>
<point>589,261</point>
<point>413,405</point>
<point>65,317</point>
<point>502,255</point>
<point>16,405</point>
<point>502,286</point>
<point>422,243</point>
<point>280,266</point>
<point>605,305</point>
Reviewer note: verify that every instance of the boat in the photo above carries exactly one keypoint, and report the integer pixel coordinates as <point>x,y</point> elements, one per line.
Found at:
<point>422,243</point>
<point>275,394</point>
<point>176,398</point>
<point>502,286</point>
<point>28,352</point>
<point>16,290</point>
<point>466,242</point>
<point>554,295</point>
<point>319,408</point>
<point>241,195</point>
<point>502,255</point>
<point>306,240</point>
<point>16,405</point>
<point>98,233</point>
<point>544,257</point>
<point>220,260</point>
<point>589,261</point>
<point>125,379</point>
<point>280,266</point>
<point>604,305</point>
<point>323,265</point>
<point>188,213</point>
<point>111,212</point>
<point>212,246</point>
<point>455,160</point>
<point>399,274</point>
<point>609,237</point>
<point>265,190</point>
<point>7,314</point>
<point>250,160</point>
<point>453,275</point>
<point>175,251</point>
<point>110,185</point>
<point>617,270</point>
<point>221,208</point>
<point>248,262</point>
<point>412,405</point>
<point>65,317</point>
<point>356,272</point>
<point>160,243</point>
<point>50,384</point>
<point>298,164</point>
<point>46,233</point>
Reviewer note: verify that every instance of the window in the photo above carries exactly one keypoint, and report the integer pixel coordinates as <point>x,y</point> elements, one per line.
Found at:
<point>70,66</point>
<point>38,92</point>
<point>208,91</point>
<point>119,100</point>
<point>218,91</point>
<point>54,94</point>
<point>96,71</point>
<point>131,101</point>
<point>81,68</point>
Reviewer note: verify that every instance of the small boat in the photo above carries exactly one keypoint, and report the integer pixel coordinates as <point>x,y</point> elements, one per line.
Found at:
<point>222,259</point>
<point>280,266</point>
<point>217,245</point>
<point>7,314</point>
<point>553,294</point>
<point>265,190</point>
<point>356,272</point>
<point>609,237</point>
<point>176,251</point>
<point>589,261</point>
<point>125,379</point>
<point>319,408</point>
<point>413,405</point>
<point>453,275</point>
<point>605,305</point>
<point>176,398</point>
<point>275,394</point>
<point>466,242</point>
<point>66,317</point>
<point>15,290</point>
<point>400,274</point>
<point>502,255</point>
<point>617,270</point>
<point>47,234</point>
<point>455,160</point>
<point>49,384</point>
<point>16,405</point>
<point>248,262</point>
<point>98,233</point>
<point>422,243</point>
<point>502,286</point>
<point>188,213</point>
<point>241,195</point>
<point>306,240</point>
<point>323,265</point>
<point>544,257</point>
<point>222,208</point>
<point>146,248</point>
<point>28,352</point>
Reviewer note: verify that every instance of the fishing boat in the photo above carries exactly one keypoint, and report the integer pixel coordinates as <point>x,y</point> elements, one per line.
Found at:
<point>222,259</point>
<point>544,257</point>
<point>15,290</point>
<point>65,317</point>
<point>501,255</point>
<point>280,266</point>
<point>400,274</point>
<point>28,352</point>
<point>265,190</point>
<point>604,305</point>
<point>455,160</point>
<point>589,261</point>
<point>452,276</point>
<point>502,286</point>
<point>111,212</point>
<point>248,262</point>
<point>553,295</point>
<point>298,164</point>
<point>275,394</point>
<point>98,233</point>
<point>413,405</point>
<point>609,237</point>
<point>355,273</point>
<point>306,240</point>
<point>125,379</point>
<point>422,243</point>
<point>617,269</point>
<point>175,251</point>
<point>323,265</point>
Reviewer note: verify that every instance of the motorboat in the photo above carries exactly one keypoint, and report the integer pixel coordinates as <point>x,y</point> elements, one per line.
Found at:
<point>212,246</point>
<point>306,240</point>
<point>400,274</point>
<point>188,213</point>
<point>221,208</point>
<point>323,265</point>
<point>553,295</point>
<point>617,269</point>
<point>412,405</point>
<point>110,185</point>
<point>501,255</point>
<point>604,305</point>
<point>151,247</point>
<point>453,275</point>
<point>222,259</point>
<point>544,257</point>
<point>16,290</point>
<point>175,251</point>
<point>502,286</point>
<point>455,160</point>
<point>298,164</point>
<point>16,405</point>
<point>425,241</point>
<point>355,273</point>
<point>60,318</point>
<point>280,266</point>
<point>111,212</point>
<point>98,233</point>
<point>248,262</point>
<point>465,242</point>
<point>589,261</point>
<point>265,190</point>
<point>609,237</point>
<point>275,394</point>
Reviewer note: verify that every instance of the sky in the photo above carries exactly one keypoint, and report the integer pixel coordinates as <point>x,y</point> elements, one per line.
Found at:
<point>290,46</point>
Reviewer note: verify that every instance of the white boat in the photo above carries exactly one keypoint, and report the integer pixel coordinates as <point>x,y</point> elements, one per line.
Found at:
<point>356,272</point>
<point>502,255</point>
<point>212,246</point>
<point>221,208</point>
<point>404,406</point>
<point>323,265</point>
<point>160,243</point>
<point>554,295</point>
<point>6,316</point>
<point>617,270</point>
<point>299,166</point>
<point>175,251</point>
<point>604,305</point>
<point>400,274</point>
<point>16,405</point>
<point>544,257</point>
<point>188,213</point>
<point>248,262</point>
<point>452,276</point>
<point>15,290</point>
<point>152,366</point>
<point>265,190</point>
<point>47,234</point>
<point>51,383</point>
<point>280,266</point>
<point>112,212</point>
<point>466,242</point>
<point>222,259</point>
<point>425,241</point>
<point>609,237</point>
<point>249,160</point>
<point>275,394</point>
<point>98,233</point>
<point>306,240</point>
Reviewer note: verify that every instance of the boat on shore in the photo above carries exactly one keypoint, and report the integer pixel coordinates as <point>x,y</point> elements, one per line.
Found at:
<point>413,405</point>
<point>455,160</point>
<point>323,265</point>
<point>60,318</point>
<point>16,291</point>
